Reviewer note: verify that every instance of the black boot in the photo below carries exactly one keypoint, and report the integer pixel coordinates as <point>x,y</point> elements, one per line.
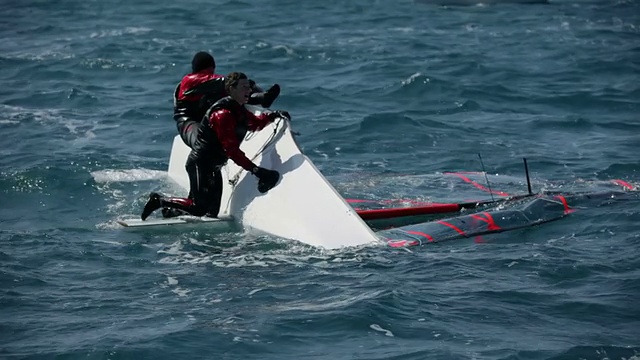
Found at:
<point>270,96</point>
<point>211,214</point>
<point>154,203</point>
<point>169,212</point>
<point>265,99</point>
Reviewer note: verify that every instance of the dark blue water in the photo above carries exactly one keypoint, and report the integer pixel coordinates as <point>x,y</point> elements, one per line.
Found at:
<point>382,93</point>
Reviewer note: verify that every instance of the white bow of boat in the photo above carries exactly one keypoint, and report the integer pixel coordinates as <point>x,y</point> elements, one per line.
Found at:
<point>303,206</point>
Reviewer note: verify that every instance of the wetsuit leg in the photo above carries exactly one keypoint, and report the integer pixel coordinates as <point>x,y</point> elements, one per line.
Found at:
<point>200,180</point>
<point>204,197</point>
<point>157,201</point>
<point>215,195</point>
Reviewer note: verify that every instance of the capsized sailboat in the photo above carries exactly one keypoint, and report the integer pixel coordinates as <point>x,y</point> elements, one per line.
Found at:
<point>533,211</point>
<point>335,222</point>
<point>284,211</point>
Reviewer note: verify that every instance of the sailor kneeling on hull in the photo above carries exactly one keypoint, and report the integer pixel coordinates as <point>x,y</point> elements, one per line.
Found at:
<point>219,137</point>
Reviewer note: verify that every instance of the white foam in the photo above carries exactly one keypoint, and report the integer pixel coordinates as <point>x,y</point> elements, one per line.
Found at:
<point>253,291</point>
<point>377,327</point>
<point>131,175</point>
<point>181,292</point>
<point>120,32</point>
<point>330,302</point>
<point>411,78</point>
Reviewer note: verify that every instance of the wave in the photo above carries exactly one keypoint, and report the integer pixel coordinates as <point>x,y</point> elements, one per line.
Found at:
<point>131,175</point>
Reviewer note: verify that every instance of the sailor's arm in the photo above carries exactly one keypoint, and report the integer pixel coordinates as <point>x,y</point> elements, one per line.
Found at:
<point>258,122</point>
<point>224,125</point>
<point>180,110</point>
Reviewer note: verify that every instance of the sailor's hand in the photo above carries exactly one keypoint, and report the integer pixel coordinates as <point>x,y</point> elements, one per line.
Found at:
<point>264,174</point>
<point>267,178</point>
<point>282,114</point>
<point>277,114</point>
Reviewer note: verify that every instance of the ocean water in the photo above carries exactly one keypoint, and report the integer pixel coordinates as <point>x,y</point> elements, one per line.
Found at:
<point>387,96</point>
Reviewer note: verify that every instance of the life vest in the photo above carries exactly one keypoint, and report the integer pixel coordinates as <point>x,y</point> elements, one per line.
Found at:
<point>195,94</point>
<point>208,146</point>
<point>237,110</point>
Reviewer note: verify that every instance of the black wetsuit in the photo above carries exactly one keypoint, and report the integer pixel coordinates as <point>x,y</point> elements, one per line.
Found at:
<point>191,99</point>
<point>219,136</point>
<point>197,92</point>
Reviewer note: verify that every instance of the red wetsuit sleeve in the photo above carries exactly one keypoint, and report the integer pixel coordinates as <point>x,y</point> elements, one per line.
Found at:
<point>256,123</point>
<point>224,124</point>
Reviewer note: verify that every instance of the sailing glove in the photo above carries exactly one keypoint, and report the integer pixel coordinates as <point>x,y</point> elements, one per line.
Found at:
<point>267,179</point>
<point>280,114</point>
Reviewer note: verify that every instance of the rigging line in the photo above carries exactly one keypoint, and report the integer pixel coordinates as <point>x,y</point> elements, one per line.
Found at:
<point>526,171</point>
<point>234,179</point>
<point>485,177</point>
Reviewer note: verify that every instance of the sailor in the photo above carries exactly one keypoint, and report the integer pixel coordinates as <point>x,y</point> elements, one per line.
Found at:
<point>222,130</point>
<point>200,89</point>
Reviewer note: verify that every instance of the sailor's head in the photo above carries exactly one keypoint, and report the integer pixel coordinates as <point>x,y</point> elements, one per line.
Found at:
<point>203,61</point>
<point>238,87</point>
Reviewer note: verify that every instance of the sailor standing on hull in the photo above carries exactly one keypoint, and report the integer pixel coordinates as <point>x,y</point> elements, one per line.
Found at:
<point>200,89</point>
<point>218,139</point>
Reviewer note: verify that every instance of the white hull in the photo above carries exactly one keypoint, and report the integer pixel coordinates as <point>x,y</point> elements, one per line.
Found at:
<point>303,206</point>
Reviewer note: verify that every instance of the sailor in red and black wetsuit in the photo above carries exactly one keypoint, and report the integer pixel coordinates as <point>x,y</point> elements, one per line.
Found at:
<point>201,89</point>
<point>223,129</point>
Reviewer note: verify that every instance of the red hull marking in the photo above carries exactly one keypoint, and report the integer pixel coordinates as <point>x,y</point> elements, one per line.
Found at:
<point>486,217</point>
<point>567,209</point>
<point>624,184</point>
<point>413,232</point>
<point>457,229</point>
<point>374,214</point>
<point>402,243</point>
<point>479,186</point>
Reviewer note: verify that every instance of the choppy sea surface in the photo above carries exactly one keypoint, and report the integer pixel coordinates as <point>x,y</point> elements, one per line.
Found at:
<point>385,95</point>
